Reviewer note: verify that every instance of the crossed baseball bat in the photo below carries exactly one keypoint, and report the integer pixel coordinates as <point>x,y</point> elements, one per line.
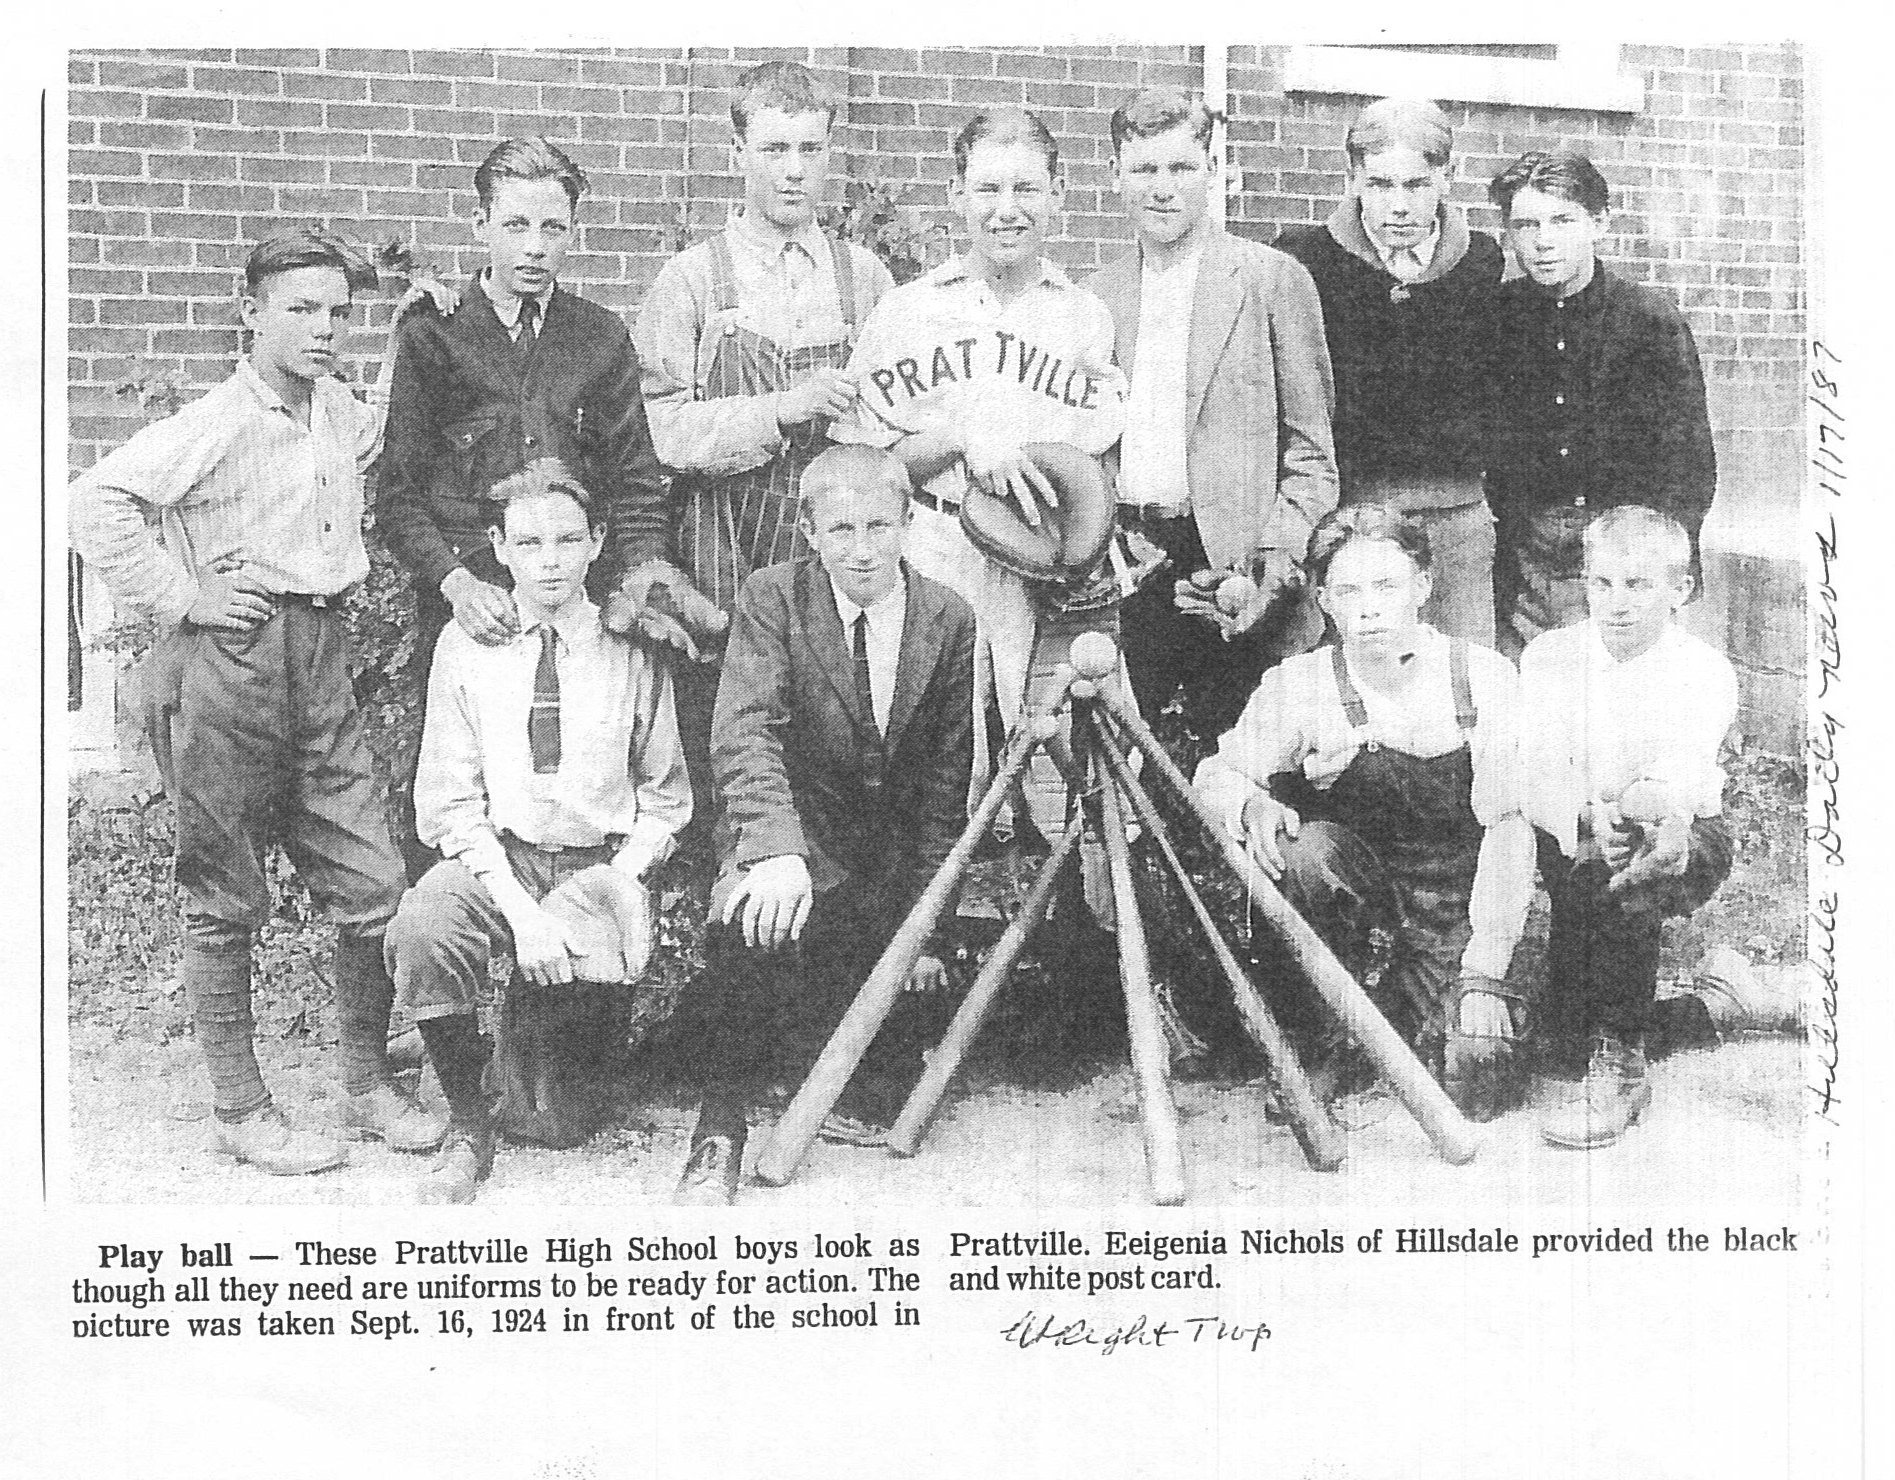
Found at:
<point>1104,728</point>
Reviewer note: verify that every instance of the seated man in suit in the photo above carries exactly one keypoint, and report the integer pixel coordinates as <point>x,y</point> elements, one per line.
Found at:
<point>841,745</point>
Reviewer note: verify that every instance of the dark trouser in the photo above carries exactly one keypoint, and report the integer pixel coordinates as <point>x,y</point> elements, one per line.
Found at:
<point>1337,883</point>
<point>758,1016</point>
<point>264,741</point>
<point>1164,648</point>
<point>1602,952</point>
<point>694,695</point>
<point>1539,575</point>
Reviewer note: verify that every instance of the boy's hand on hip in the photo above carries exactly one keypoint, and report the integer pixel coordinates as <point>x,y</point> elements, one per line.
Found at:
<point>229,601</point>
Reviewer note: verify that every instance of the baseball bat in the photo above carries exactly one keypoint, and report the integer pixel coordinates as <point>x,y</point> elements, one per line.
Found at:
<point>790,1139</point>
<point>1164,1153</point>
<point>1454,1139</point>
<point>1323,1145</point>
<point>912,1124</point>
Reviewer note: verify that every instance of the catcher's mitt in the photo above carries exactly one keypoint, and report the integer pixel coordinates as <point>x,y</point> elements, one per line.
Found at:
<point>608,914</point>
<point>1482,1072</point>
<point>656,601</point>
<point>1070,540</point>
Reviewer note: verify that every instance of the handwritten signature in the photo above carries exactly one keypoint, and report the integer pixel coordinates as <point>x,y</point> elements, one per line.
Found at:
<point>1822,1029</point>
<point>1034,1329</point>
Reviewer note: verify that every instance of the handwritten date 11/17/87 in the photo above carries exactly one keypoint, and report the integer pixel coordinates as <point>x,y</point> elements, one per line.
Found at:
<point>1034,1330</point>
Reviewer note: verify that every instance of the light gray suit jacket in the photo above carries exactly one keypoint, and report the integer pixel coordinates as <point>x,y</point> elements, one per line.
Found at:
<point>1259,456</point>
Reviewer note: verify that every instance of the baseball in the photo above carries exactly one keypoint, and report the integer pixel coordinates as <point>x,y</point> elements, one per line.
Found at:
<point>1095,655</point>
<point>1235,594</point>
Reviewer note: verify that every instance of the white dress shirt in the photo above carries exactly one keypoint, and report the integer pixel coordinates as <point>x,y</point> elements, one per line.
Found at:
<point>1407,264</point>
<point>621,770</point>
<point>1596,725</point>
<point>886,619</point>
<point>1152,454</point>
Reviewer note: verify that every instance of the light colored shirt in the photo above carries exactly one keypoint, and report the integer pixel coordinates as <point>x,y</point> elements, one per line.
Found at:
<point>1152,455</point>
<point>1295,721</point>
<point>508,312</point>
<point>1596,725</point>
<point>1405,264</point>
<point>786,293</point>
<point>621,770</point>
<point>233,475</point>
<point>944,352</point>
<point>886,620</point>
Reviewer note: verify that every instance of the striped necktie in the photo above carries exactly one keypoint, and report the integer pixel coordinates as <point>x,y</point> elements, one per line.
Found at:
<point>542,720</point>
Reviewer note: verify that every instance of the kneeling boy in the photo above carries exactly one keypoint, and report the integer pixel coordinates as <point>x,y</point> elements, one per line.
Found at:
<point>842,745</point>
<point>542,757</point>
<point>1626,714</point>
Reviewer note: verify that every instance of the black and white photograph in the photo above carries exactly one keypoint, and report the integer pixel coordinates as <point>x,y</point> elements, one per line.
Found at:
<point>764,751</point>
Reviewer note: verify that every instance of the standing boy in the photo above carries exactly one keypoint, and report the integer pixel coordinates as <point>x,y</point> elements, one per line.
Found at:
<point>543,758</point>
<point>1625,714</point>
<point>1406,291</point>
<point>524,369</point>
<point>842,744</point>
<point>1226,462</point>
<point>1598,397</point>
<point>744,340</point>
<point>259,489</point>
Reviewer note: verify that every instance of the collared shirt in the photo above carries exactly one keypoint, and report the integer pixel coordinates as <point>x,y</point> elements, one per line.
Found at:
<point>621,771</point>
<point>1407,264</point>
<point>1596,724</point>
<point>508,312</point>
<point>886,619</point>
<point>786,293</point>
<point>944,352</point>
<point>1295,721</point>
<point>1152,465</point>
<point>234,475</point>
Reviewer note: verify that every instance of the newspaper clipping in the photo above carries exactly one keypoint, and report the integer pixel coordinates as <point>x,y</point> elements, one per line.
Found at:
<point>1094,758</point>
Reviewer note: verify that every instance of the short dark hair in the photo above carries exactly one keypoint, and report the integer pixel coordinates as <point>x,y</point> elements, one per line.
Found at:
<point>1569,175</point>
<point>309,246</point>
<point>1356,522</point>
<point>1158,110</point>
<point>789,87</point>
<point>1394,123</point>
<point>1004,126</point>
<point>542,478</point>
<point>528,159</point>
<point>854,466</point>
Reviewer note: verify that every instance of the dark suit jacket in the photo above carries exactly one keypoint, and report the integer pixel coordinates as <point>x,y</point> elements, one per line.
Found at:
<point>788,740</point>
<point>1259,458</point>
<point>468,408</point>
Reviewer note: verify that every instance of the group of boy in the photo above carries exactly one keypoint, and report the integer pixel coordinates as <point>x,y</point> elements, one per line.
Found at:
<point>552,483</point>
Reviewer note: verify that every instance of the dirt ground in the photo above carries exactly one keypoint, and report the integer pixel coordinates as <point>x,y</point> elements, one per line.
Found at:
<point>1726,1122</point>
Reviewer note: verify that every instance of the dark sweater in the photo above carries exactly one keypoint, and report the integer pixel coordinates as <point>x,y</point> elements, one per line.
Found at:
<point>469,408</point>
<point>1599,401</point>
<point>1408,362</point>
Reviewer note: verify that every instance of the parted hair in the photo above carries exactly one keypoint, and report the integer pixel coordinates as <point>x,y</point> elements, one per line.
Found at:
<point>1004,126</point>
<point>789,87</point>
<point>1632,524</point>
<point>543,478</point>
<point>1158,110</point>
<point>1398,123</point>
<point>309,246</point>
<point>528,159</point>
<point>857,468</point>
<point>1564,173</point>
<point>1355,522</point>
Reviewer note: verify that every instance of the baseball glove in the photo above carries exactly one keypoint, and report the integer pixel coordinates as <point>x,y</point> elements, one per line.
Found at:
<point>656,601</point>
<point>608,914</point>
<point>1069,541</point>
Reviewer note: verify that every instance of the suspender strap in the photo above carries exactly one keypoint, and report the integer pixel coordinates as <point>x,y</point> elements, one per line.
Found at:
<point>723,276</point>
<point>1353,709</point>
<point>845,284</point>
<point>1465,714</point>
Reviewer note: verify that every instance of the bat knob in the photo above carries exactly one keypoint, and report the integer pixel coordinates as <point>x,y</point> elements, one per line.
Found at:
<point>1042,727</point>
<point>1084,688</point>
<point>1094,655</point>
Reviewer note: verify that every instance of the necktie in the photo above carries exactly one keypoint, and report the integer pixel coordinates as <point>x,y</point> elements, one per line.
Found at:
<point>873,758</point>
<point>542,720</point>
<point>529,322</point>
